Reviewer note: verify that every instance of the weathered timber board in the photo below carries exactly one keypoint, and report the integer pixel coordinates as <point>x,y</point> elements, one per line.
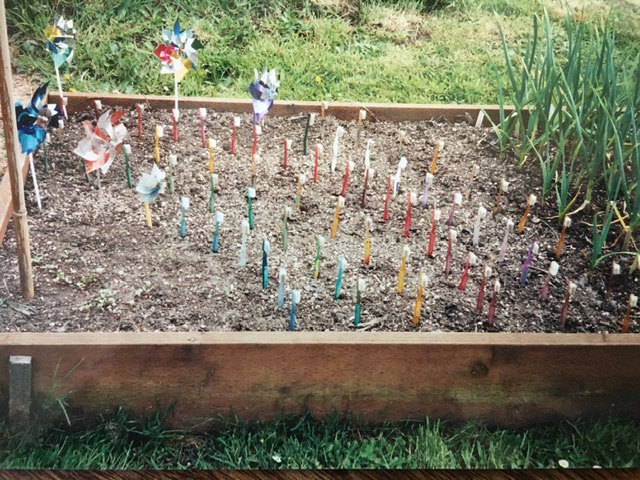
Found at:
<point>505,379</point>
<point>380,112</point>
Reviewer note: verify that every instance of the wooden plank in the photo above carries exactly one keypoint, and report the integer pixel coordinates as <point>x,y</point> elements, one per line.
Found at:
<point>6,204</point>
<point>391,112</point>
<point>505,379</point>
<point>19,391</point>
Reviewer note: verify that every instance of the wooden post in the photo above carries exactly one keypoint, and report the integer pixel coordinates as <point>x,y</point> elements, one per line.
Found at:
<point>14,168</point>
<point>19,391</point>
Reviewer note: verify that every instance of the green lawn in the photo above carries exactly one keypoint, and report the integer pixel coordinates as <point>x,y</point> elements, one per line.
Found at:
<point>356,50</point>
<point>121,442</point>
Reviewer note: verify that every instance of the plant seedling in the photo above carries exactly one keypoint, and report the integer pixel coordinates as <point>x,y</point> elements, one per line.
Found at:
<point>316,162</point>
<point>504,187</point>
<point>234,133</point>
<point>219,218</point>
<point>471,261</point>
<point>615,270</point>
<point>266,250</point>
<point>423,281</point>
<point>127,153</point>
<point>406,251</point>
<point>505,240</point>
<point>396,180</point>
<point>295,300</point>
<point>212,145</point>
<point>243,245</point>
<point>156,149</point>
<point>213,182</point>
<point>566,223</point>
<point>453,234</point>
<point>632,303</point>
<point>494,302</point>
<point>184,206</point>
<point>474,172</point>
<point>524,271</point>
<point>486,273</point>
<point>336,148</point>
<point>571,290</point>
<point>358,307</point>
<point>139,110</point>
<point>251,194</point>
<point>336,217</point>
<point>342,266</point>
<point>482,213</point>
<point>285,159</point>
<point>523,221</point>
<point>439,147</point>
<point>457,201</point>
<point>202,114</point>
<point>175,116</point>
<point>172,162</point>
<point>368,225</point>
<point>551,272</point>
<point>428,181</point>
<point>302,179</point>
<point>435,218</point>
<point>407,219</point>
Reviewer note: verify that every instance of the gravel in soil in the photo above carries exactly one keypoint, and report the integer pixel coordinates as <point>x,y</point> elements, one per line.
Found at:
<point>99,268</point>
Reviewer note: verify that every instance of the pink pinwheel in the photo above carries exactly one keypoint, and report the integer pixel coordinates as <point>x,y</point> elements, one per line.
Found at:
<point>102,142</point>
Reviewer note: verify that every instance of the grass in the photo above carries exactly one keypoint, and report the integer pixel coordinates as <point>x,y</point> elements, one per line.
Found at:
<point>123,442</point>
<point>364,50</point>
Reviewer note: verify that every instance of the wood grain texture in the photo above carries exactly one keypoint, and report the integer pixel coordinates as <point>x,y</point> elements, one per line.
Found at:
<point>584,474</point>
<point>505,379</point>
<point>6,203</point>
<point>377,112</point>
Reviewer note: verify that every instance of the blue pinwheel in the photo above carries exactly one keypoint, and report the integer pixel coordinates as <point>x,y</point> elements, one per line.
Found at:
<point>263,90</point>
<point>34,119</point>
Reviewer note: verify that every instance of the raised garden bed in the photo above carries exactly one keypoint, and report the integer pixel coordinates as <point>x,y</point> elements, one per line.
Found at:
<point>509,378</point>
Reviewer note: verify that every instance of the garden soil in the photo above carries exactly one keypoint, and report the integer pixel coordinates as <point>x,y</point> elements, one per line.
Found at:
<point>98,267</point>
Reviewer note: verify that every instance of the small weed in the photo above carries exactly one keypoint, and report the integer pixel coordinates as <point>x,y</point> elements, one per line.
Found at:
<point>105,299</point>
<point>144,291</point>
<point>85,281</point>
<point>63,277</point>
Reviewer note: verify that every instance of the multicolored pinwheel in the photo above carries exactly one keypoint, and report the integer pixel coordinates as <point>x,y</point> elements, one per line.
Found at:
<point>178,52</point>
<point>102,142</point>
<point>151,185</point>
<point>263,90</point>
<point>61,41</point>
<point>34,119</point>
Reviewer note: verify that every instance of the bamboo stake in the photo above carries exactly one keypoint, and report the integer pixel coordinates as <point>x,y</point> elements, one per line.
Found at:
<point>14,170</point>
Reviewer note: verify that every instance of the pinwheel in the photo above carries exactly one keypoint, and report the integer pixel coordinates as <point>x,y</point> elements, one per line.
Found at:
<point>61,42</point>
<point>32,122</point>
<point>177,53</point>
<point>149,187</point>
<point>102,142</point>
<point>263,90</point>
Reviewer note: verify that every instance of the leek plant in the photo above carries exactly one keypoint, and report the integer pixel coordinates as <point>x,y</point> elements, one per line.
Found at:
<point>577,115</point>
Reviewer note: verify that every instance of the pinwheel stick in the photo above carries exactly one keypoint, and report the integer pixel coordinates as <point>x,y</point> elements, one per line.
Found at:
<point>63,107</point>
<point>147,213</point>
<point>21,226</point>
<point>35,181</point>
<point>175,84</point>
